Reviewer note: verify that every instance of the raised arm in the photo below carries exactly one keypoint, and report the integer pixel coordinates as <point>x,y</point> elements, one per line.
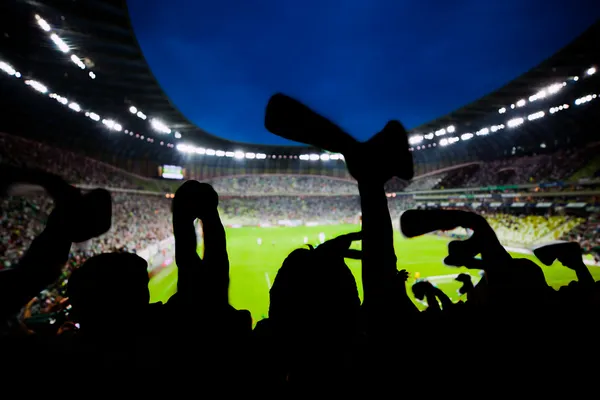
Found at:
<point>206,278</point>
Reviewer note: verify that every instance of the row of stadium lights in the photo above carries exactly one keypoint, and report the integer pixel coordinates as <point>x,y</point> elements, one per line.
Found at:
<point>542,94</point>
<point>64,47</point>
<point>155,123</point>
<point>240,155</point>
<point>108,123</point>
<point>161,127</point>
<point>512,123</point>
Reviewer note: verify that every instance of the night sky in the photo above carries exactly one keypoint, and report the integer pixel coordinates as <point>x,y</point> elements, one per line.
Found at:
<point>359,62</point>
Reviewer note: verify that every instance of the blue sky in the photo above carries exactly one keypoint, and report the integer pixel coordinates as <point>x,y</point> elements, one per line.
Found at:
<point>359,62</point>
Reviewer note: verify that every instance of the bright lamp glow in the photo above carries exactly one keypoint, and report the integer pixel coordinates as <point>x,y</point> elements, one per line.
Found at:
<point>77,61</point>
<point>513,123</point>
<point>42,23</point>
<point>537,115</point>
<point>239,155</point>
<point>160,126</point>
<point>62,46</point>
<point>37,86</point>
<point>415,139</point>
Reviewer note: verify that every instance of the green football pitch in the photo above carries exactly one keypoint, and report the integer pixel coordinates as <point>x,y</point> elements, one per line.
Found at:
<point>253,266</point>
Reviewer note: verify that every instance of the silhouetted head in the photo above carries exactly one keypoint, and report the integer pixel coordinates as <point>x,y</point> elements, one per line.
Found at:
<point>314,289</point>
<point>109,287</point>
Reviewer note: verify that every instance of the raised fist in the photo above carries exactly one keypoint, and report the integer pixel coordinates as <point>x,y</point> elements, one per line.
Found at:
<point>193,200</point>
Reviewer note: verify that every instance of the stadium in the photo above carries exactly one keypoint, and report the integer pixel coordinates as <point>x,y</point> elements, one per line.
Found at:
<point>84,105</point>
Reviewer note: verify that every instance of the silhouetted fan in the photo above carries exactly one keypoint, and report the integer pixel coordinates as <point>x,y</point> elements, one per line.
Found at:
<point>561,250</point>
<point>292,120</point>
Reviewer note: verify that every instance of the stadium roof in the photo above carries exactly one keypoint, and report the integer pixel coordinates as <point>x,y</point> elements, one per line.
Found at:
<point>583,51</point>
<point>101,35</point>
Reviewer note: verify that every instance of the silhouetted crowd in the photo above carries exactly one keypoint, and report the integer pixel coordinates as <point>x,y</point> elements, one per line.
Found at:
<point>73,288</point>
<point>318,333</point>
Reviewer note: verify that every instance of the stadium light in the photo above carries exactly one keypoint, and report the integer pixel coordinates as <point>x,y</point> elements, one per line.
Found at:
<point>313,157</point>
<point>451,129</point>
<point>62,46</point>
<point>159,126</point>
<point>239,155</point>
<point>141,115</point>
<point>9,69</point>
<point>415,139</point>
<point>109,123</point>
<point>77,61</point>
<point>210,152</point>
<point>92,75</point>
<point>250,156</point>
<point>200,150</point>
<point>440,132</point>
<point>521,103</point>
<point>74,107</point>
<point>325,157</point>
<point>304,157</point>
<point>555,88</point>
<point>466,136</point>
<point>444,142</point>
<point>42,23</point>
<point>513,123</point>
<point>502,110</point>
<point>537,115</point>
<point>62,100</point>
<point>429,136</point>
<point>452,140</point>
<point>94,116</point>
<point>177,135</point>
<point>220,153</point>
<point>261,156</point>
<point>230,154</point>
<point>133,110</point>
<point>591,71</point>
<point>37,86</point>
<point>483,132</point>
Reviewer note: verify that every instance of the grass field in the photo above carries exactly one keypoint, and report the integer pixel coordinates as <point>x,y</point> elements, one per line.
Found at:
<point>254,266</point>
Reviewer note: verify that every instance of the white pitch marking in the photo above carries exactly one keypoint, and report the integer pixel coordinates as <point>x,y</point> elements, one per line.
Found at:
<point>268,280</point>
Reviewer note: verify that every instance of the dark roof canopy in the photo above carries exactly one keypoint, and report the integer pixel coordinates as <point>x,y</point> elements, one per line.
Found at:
<point>100,33</point>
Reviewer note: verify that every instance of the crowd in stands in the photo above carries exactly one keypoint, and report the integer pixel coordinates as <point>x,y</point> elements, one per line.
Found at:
<point>587,234</point>
<point>74,168</point>
<point>283,184</point>
<point>527,230</point>
<point>560,165</point>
